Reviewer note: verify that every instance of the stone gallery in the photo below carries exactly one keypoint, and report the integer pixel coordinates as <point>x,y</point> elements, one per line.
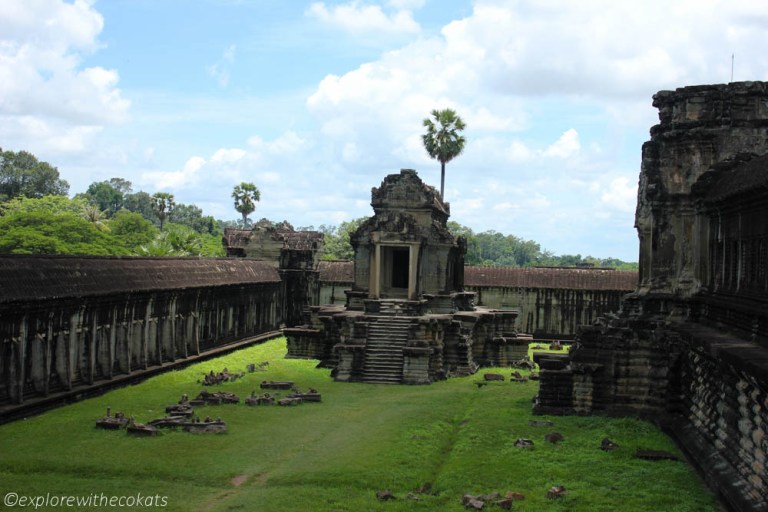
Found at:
<point>689,348</point>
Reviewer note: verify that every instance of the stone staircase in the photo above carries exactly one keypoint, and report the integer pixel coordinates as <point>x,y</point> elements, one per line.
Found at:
<point>387,336</point>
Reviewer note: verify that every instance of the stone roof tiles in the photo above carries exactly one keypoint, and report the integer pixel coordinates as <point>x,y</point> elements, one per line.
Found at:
<point>558,278</point>
<point>48,277</point>
<point>336,271</point>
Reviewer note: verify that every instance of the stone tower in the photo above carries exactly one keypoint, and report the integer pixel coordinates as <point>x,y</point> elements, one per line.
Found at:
<point>689,349</point>
<point>407,318</point>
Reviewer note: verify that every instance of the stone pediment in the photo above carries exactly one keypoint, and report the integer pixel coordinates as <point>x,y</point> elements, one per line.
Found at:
<point>407,191</point>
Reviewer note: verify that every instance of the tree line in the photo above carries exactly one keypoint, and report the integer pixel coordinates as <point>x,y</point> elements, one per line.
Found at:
<point>110,218</point>
<point>489,248</point>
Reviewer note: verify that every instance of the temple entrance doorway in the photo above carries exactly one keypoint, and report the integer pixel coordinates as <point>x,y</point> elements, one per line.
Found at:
<point>395,271</point>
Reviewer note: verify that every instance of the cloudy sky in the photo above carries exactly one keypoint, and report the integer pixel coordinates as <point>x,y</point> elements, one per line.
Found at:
<point>315,102</point>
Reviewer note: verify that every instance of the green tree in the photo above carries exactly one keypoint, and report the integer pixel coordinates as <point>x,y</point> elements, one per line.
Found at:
<point>132,229</point>
<point>178,240</point>
<point>109,196</point>
<point>21,174</point>
<point>52,205</point>
<point>443,141</point>
<point>192,216</point>
<point>162,205</point>
<point>95,216</point>
<point>336,239</point>
<point>141,202</point>
<point>38,232</point>
<point>246,195</point>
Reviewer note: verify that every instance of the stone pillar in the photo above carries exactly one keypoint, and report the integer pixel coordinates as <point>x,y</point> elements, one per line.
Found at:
<point>413,266</point>
<point>375,286</point>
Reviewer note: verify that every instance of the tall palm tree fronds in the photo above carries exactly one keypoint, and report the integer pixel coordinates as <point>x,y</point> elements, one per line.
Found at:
<point>246,195</point>
<point>162,204</point>
<point>443,141</point>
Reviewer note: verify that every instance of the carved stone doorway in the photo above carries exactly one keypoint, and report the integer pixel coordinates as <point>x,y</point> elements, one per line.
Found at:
<point>395,271</point>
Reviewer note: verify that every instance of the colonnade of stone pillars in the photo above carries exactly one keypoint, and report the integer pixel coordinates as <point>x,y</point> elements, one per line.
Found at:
<point>52,346</point>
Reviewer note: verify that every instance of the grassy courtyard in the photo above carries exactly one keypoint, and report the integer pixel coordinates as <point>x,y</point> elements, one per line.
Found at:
<point>447,439</point>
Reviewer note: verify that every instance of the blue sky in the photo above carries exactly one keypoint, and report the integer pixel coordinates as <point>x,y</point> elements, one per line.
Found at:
<point>315,102</point>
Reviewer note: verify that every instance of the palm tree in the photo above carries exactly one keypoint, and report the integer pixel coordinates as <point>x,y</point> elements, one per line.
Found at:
<point>94,215</point>
<point>442,140</point>
<point>246,195</point>
<point>162,204</point>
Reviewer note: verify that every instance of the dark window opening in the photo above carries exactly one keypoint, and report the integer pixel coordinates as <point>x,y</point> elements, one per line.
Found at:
<point>400,263</point>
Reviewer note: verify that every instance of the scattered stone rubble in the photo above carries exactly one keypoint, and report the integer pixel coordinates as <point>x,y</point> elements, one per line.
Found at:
<point>261,367</point>
<point>182,415</point>
<point>110,422</point>
<point>554,437</point>
<point>276,385</point>
<point>216,398</point>
<point>478,502</point>
<point>214,379</point>
<point>555,492</point>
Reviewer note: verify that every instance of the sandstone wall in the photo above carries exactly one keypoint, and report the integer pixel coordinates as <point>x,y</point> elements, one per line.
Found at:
<point>547,312</point>
<point>553,302</point>
<point>689,349</point>
<point>71,323</point>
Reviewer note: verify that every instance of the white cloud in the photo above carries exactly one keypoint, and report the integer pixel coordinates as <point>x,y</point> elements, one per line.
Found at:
<point>566,146</point>
<point>220,70</point>
<point>409,5</point>
<point>175,180</point>
<point>287,143</point>
<point>519,152</point>
<point>363,19</point>
<point>42,83</point>
<point>620,195</point>
<point>228,155</point>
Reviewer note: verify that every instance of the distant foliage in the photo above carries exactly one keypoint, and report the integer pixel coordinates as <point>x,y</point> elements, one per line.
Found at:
<point>337,245</point>
<point>53,205</point>
<point>163,204</point>
<point>36,217</point>
<point>132,229</point>
<point>39,232</point>
<point>489,248</point>
<point>497,249</point>
<point>22,175</point>
<point>178,240</point>
<point>245,196</point>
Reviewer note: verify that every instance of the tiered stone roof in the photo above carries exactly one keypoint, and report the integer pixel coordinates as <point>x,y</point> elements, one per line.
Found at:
<point>550,277</point>
<point>24,277</point>
<point>338,271</point>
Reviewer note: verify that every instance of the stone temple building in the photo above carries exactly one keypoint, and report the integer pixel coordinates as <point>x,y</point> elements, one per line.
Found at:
<point>689,348</point>
<point>407,318</point>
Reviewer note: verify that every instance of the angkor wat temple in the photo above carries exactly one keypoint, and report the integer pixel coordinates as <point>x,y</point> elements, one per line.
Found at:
<point>407,317</point>
<point>688,348</point>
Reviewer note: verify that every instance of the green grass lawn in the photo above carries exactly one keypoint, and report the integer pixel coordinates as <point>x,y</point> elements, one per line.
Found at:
<point>333,456</point>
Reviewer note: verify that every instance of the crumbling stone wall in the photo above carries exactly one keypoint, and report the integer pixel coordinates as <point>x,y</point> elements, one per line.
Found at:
<point>689,348</point>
